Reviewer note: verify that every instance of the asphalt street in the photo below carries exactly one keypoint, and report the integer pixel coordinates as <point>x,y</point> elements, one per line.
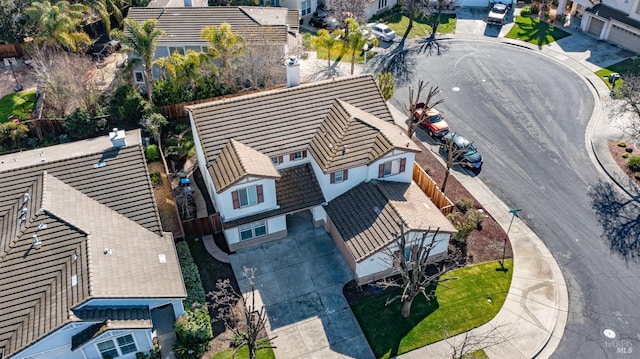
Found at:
<point>527,115</point>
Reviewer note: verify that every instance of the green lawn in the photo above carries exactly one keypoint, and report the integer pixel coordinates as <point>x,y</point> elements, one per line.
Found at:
<point>422,26</point>
<point>467,302</point>
<point>243,353</point>
<point>537,32</point>
<point>19,104</point>
<point>342,55</point>
<point>622,67</point>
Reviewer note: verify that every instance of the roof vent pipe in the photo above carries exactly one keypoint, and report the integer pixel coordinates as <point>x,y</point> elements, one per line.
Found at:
<point>293,71</point>
<point>118,138</point>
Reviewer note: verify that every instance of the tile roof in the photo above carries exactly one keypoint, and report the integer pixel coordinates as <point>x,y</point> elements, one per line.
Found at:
<point>297,189</point>
<point>284,120</point>
<point>109,318</point>
<point>184,24</point>
<point>177,3</point>
<point>237,161</point>
<point>367,216</point>
<point>76,211</point>
<point>350,137</point>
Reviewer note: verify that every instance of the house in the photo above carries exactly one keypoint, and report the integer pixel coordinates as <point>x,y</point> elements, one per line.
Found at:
<point>308,7</point>
<point>84,263</point>
<point>271,28</point>
<point>330,148</point>
<point>615,21</point>
<point>377,7</point>
<point>178,3</point>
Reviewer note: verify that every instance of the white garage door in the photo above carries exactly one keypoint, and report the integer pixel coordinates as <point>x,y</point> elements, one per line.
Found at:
<point>625,38</point>
<point>595,26</point>
<point>474,3</point>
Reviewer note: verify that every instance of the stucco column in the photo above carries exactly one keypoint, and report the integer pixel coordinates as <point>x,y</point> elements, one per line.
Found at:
<point>561,7</point>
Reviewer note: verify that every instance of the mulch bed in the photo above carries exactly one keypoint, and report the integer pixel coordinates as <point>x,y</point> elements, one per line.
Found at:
<point>617,152</point>
<point>164,200</point>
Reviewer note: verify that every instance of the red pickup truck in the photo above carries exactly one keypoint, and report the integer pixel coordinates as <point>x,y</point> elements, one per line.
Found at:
<point>431,120</point>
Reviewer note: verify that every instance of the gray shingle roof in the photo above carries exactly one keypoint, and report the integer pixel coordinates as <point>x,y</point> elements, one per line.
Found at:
<point>296,189</point>
<point>183,25</point>
<point>281,121</point>
<point>237,161</point>
<point>350,137</point>
<point>367,216</point>
<point>77,211</point>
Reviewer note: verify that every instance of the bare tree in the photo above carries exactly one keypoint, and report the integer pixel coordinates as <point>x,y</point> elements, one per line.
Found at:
<point>413,9</point>
<point>619,215</point>
<point>455,155</point>
<point>431,42</point>
<point>429,103</point>
<point>248,322</point>
<point>464,345</point>
<point>630,91</point>
<point>342,9</point>
<point>261,64</point>
<point>416,269</point>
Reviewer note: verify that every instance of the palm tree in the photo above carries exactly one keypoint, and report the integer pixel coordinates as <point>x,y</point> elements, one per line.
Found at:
<point>225,45</point>
<point>59,23</point>
<point>357,38</point>
<point>329,41</point>
<point>141,41</point>
<point>104,9</point>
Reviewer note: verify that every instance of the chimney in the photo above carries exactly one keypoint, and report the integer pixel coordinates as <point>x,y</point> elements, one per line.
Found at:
<point>293,72</point>
<point>118,138</point>
<point>188,3</point>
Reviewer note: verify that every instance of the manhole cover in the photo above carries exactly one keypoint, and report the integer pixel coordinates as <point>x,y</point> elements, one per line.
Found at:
<point>609,333</point>
<point>455,89</point>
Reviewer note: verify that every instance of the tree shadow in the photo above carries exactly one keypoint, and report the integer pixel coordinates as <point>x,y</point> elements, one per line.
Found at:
<point>619,215</point>
<point>537,32</point>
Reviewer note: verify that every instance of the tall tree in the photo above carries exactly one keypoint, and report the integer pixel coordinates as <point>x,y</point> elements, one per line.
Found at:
<point>386,84</point>
<point>329,41</point>
<point>356,39</point>
<point>429,102</point>
<point>341,9</point>
<point>249,321</point>
<point>418,272</point>
<point>9,26</point>
<point>226,46</point>
<point>630,91</point>
<point>104,9</point>
<point>185,68</point>
<point>413,9</point>
<point>14,131</point>
<point>141,40</point>
<point>154,123</point>
<point>58,23</point>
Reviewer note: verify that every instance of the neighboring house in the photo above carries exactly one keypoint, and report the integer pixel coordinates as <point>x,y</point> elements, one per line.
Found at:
<point>614,21</point>
<point>269,27</point>
<point>178,3</point>
<point>308,7</point>
<point>328,147</point>
<point>377,7</point>
<point>83,258</point>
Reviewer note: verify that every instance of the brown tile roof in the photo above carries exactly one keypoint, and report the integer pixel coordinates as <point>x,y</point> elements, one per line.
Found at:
<point>183,25</point>
<point>297,189</point>
<point>367,216</point>
<point>77,211</point>
<point>109,318</point>
<point>350,137</point>
<point>237,161</point>
<point>282,120</point>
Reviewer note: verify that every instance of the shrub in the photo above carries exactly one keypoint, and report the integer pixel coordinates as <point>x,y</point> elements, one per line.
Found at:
<point>629,149</point>
<point>128,105</point>
<point>637,175</point>
<point>386,84</point>
<point>152,153</point>
<point>526,11</point>
<point>535,8</point>
<point>80,125</point>
<point>465,223</point>
<point>306,41</point>
<point>191,276</point>
<point>464,204</point>
<point>154,177</point>
<point>634,163</point>
<point>626,155</point>
<point>193,333</point>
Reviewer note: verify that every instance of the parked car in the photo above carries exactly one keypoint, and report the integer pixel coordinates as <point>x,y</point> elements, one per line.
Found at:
<point>497,13</point>
<point>467,153</point>
<point>325,22</point>
<point>383,32</point>
<point>433,122</point>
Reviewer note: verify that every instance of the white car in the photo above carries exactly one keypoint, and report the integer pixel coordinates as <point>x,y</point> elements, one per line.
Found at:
<point>383,32</point>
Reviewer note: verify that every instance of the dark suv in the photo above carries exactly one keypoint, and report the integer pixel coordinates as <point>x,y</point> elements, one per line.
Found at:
<point>324,22</point>
<point>466,152</point>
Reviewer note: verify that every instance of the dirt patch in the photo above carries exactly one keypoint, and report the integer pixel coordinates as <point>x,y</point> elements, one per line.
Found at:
<point>164,200</point>
<point>617,152</point>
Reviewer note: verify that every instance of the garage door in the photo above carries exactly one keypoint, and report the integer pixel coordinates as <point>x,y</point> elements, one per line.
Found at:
<point>625,38</point>
<point>474,3</point>
<point>595,26</point>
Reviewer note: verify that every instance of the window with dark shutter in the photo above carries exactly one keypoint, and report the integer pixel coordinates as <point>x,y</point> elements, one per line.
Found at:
<point>304,154</point>
<point>291,156</point>
<point>414,253</point>
<point>236,199</point>
<point>260,193</point>
<point>403,164</point>
<point>280,159</point>
<point>346,175</point>
<point>381,170</point>
<point>332,177</point>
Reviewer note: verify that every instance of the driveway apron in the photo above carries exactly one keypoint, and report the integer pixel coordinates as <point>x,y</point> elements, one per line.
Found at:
<point>299,279</point>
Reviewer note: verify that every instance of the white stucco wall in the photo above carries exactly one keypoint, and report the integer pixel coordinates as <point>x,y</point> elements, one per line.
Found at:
<point>376,263</point>
<point>225,200</point>
<point>142,337</point>
<point>333,190</point>
<point>319,214</point>
<point>202,162</point>
<point>274,225</point>
<point>621,5</point>
<point>287,162</point>
<point>405,176</point>
<point>374,8</point>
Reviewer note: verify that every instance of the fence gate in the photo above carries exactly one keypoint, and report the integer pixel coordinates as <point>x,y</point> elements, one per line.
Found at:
<point>202,226</point>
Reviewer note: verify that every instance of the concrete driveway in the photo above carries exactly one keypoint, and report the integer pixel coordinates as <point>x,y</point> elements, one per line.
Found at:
<point>472,22</point>
<point>300,280</point>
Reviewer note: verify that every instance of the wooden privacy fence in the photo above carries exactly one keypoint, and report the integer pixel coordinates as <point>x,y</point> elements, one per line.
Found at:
<point>429,187</point>
<point>10,50</point>
<point>202,226</point>
<point>177,111</point>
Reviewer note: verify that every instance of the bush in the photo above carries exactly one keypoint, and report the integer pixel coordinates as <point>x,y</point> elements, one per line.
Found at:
<point>152,153</point>
<point>154,177</point>
<point>191,276</point>
<point>128,105</point>
<point>464,204</point>
<point>634,163</point>
<point>80,125</point>
<point>535,8</point>
<point>306,41</point>
<point>626,155</point>
<point>629,149</point>
<point>637,175</point>
<point>465,223</point>
<point>193,333</point>
<point>622,144</point>
<point>526,11</point>
<point>386,84</point>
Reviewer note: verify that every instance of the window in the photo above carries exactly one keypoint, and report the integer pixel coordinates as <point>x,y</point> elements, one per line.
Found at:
<point>391,168</point>
<point>305,7</point>
<point>173,49</point>
<point>297,155</point>
<point>138,76</point>
<point>277,160</point>
<point>249,231</point>
<point>114,348</point>
<point>247,196</point>
<point>382,3</point>
<point>339,177</point>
